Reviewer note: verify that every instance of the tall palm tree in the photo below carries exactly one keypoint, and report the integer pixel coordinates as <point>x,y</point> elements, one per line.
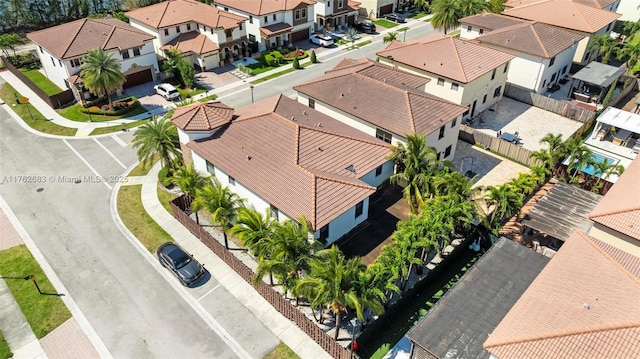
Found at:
<point>525,182</point>
<point>256,232</point>
<point>388,265</point>
<point>100,73</point>
<point>471,7</point>
<point>445,14</point>
<point>631,27</point>
<point>189,180</point>
<point>160,137</point>
<point>496,6</point>
<point>555,148</point>
<point>370,288</point>
<point>577,153</point>
<point>541,173</point>
<point>606,45</point>
<point>629,52</point>
<point>220,203</point>
<point>390,37</point>
<point>506,201</point>
<point>332,280</point>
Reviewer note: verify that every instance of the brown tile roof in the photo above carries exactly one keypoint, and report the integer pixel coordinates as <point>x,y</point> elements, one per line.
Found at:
<point>263,7</point>
<point>582,305</point>
<point>192,41</point>
<point>202,116</point>
<point>354,5</point>
<point>76,38</point>
<point>275,29</point>
<point>599,4</point>
<point>362,92</point>
<point>175,12</point>
<point>566,14</point>
<point>620,207</point>
<point>457,59</point>
<point>301,165</point>
<point>535,38</point>
<point>377,71</point>
<point>490,21</point>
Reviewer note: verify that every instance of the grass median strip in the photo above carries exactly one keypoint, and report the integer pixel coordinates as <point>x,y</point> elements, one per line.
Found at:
<point>119,128</point>
<point>282,351</point>
<point>44,312</point>
<point>5,351</point>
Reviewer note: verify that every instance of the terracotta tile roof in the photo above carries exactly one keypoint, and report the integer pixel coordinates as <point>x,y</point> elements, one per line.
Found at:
<point>362,92</point>
<point>301,165</point>
<point>377,71</point>
<point>490,21</point>
<point>535,38</point>
<point>275,29</point>
<point>263,7</point>
<point>202,116</point>
<point>627,260</point>
<point>192,41</point>
<point>76,38</point>
<point>620,207</point>
<point>457,59</point>
<point>582,305</point>
<point>175,12</point>
<point>598,4</point>
<point>566,14</point>
<point>353,5</point>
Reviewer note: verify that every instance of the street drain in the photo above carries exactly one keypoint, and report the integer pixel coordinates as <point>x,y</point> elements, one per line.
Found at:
<point>40,189</point>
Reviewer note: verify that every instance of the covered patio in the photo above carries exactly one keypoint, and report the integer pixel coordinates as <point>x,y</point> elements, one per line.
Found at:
<point>593,82</point>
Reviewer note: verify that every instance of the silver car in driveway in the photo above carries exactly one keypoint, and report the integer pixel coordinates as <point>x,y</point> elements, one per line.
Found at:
<point>322,40</point>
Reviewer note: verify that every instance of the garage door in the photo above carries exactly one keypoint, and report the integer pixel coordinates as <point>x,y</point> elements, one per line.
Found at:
<point>300,35</point>
<point>387,9</point>
<point>138,78</point>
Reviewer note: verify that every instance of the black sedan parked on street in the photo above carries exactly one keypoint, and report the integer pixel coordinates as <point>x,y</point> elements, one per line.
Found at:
<point>180,263</point>
<point>395,18</point>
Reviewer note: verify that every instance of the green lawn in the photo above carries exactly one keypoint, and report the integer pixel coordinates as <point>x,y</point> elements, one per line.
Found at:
<point>190,93</point>
<point>282,351</point>
<point>385,23</point>
<point>165,197</point>
<point>5,352</point>
<point>110,129</point>
<point>419,15</point>
<point>37,122</point>
<point>42,81</point>
<point>44,313</point>
<point>134,216</point>
<point>359,45</point>
<point>208,98</point>
<point>73,113</point>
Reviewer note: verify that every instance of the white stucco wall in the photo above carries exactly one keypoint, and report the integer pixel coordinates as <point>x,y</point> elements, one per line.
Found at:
<point>583,45</point>
<point>628,9</point>
<point>147,57</point>
<point>470,32</point>
<point>53,69</point>
<point>345,222</point>
<point>372,180</point>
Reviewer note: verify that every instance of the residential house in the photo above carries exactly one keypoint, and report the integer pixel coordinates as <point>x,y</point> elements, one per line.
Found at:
<point>574,16</point>
<point>460,71</point>
<point>273,24</point>
<point>279,154</point>
<point>335,15</point>
<point>386,103</point>
<point>544,53</point>
<point>206,36</point>
<point>458,324</point>
<point>610,5</point>
<point>62,47</point>
<point>374,9</point>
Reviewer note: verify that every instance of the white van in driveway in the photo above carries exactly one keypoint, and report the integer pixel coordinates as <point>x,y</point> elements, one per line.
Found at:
<point>167,91</point>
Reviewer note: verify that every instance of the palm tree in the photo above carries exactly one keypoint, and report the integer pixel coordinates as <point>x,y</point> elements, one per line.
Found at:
<point>631,27</point>
<point>100,73</point>
<point>445,14</point>
<point>630,51</point>
<point>189,180</point>
<point>541,173</point>
<point>506,200</point>
<point>578,153</point>
<point>256,232</point>
<point>351,34</point>
<point>389,37</point>
<point>370,288</point>
<point>332,281</point>
<point>413,165</point>
<point>525,182</point>
<point>220,203</point>
<point>160,137</point>
<point>555,148</point>
<point>496,6</point>
<point>606,45</point>
<point>471,7</point>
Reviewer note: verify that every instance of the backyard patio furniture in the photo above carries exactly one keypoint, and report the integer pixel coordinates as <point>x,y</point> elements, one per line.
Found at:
<point>509,137</point>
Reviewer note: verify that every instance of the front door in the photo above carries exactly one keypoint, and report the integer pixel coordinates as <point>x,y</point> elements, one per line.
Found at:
<point>473,108</point>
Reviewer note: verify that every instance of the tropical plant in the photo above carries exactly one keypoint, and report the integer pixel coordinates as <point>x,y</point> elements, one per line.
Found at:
<point>313,57</point>
<point>186,74</point>
<point>525,182</point>
<point>296,63</point>
<point>631,27</point>
<point>629,52</point>
<point>256,232</point>
<point>220,203</point>
<point>159,136</point>
<point>10,42</point>
<point>496,6</point>
<point>189,180</point>
<point>606,46</point>
<point>471,7</point>
<point>541,173</point>
<point>389,37</point>
<point>578,154</point>
<point>351,34</point>
<point>506,200</point>
<point>100,73</point>
<point>445,14</point>
<point>555,150</point>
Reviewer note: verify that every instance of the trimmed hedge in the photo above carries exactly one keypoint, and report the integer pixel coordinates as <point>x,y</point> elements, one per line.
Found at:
<point>121,106</point>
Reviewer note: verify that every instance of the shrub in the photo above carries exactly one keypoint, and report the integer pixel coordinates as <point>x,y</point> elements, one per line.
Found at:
<point>278,56</point>
<point>314,59</point>
<point>163,177</point>
<point>120,106</point>
<point>299,54</point>
<point>296,63</point>
<point>269,60</point>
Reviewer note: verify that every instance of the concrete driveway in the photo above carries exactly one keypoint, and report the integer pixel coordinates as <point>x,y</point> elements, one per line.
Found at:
<point>147,96</point>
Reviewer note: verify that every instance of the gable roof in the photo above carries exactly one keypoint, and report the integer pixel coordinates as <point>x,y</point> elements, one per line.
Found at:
<point>598,4</point>
<point>176,12</point>
<point>301,165</point>
<point>535,38</point>
<point>192,41</point>
<point>446,56</point>
<point>372,93</point>
<point>584,304</point>
<point>202,116</point>
<point>76,38</point>
<point>460,321</point>
<point>490,21</point>
<point>566,14</point>
<point>263,7</point>
<point>375,70</point>
<point>619,209</point>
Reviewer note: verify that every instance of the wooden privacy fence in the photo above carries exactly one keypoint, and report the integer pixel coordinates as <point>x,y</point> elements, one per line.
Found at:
<point>55,101</point>
<point>282,305</point>
<point>494,144</point>
<point>562,108</point>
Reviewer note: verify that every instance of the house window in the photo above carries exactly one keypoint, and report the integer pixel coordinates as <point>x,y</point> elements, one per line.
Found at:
<point>441,134</point>
<point>205,28</point>
<point>468,28</point>
<point>125,54</point>
<point>383,135</point>
<point>275,214</point>
<point>359,209</point>
<point>228,33</point>
<point>211,168</point>
<point>324,233</point>
<point>544,83</point>
<point>188,27</point>
<point>297,14</point>
<point>166,32</point>
<point>553,59</point>
<point>250,19</point>
<point>493,74</point>
<point>453,123</point>
<point>447,151</point>
<point>265,19</point>
<point>438,156</point>
<point>454,86</point>
<point>481,31</point>
<point>240,26</point>
<point>484,99</point>
<point>178,29</point>
<point>252,38</point>
<point>440,82</point>
<point>40,47</point>
<point>75,62</point>
<point>609,27</point>
<point>312,103</point>
<point>211,31</point>
<point>53,62</point>
<point>564,69</point>
<point>60,62</point>
<point>66,83</point>
<point>136,51</point>
<point>378,170</point>
<point>506,67</point>
<point>226,8</point>
<point>304,12</point>
<point>232,181</point>
<point>197,26</point>
<point>497,92</point>
<point>274,17</point>
<point>328,3</point>
<point>553,77</point>
<point>340,3</point>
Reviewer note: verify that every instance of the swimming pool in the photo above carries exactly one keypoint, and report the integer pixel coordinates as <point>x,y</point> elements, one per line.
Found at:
<point>596,157</point>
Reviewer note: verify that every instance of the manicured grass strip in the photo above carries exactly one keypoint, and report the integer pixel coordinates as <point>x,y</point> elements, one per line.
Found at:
<point>284,72</point>
<point>42,81</point>
<point>190,93</point>
<point>282,351</point>
<point>144,167</point>
<point>44,313</point>
<point>132,213</point>
<point>5,352</point>
<point>208,98</point>
<point>359,45</point>
<point>110,129</point>
<point>165,197</point>
<point>37,122</point>
<point>73,113</point>
<point>419,15</point>
<point>385,23</point>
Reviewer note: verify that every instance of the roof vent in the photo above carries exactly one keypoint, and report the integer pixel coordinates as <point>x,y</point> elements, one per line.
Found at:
<point>319,148</point>
<point>304,112</point>
<point>586,306</point>
<point>319,124</point>
<point>341,94</point>
<point>351,169</point>
<point>441,64</point>
<point>248,158</point>
<point>293,118</point>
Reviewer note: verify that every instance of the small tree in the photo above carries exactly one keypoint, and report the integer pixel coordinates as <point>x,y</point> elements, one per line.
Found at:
<point>186,74</point>
<point>10,42</point>
<point>313,57</point>
<point>296,63</point>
